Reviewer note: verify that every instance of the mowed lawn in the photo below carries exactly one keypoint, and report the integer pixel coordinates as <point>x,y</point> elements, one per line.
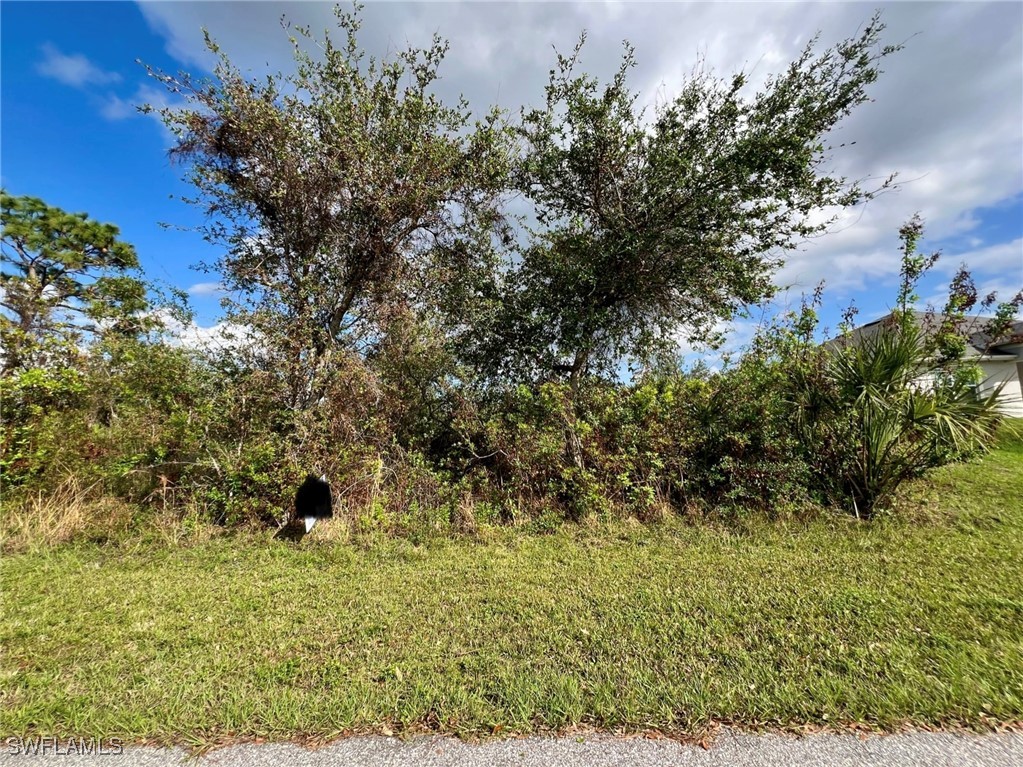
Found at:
<point>916,619</point>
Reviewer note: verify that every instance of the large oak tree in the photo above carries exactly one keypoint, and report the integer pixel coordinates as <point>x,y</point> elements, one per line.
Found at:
<point>654,225</point>
<point>347,197</point>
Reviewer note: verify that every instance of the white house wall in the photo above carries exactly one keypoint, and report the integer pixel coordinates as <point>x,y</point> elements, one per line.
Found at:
<point>1010,402</point>
<point>1007,372</point>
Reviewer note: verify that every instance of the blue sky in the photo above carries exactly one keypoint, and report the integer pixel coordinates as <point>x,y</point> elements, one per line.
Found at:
<point>67,137</point>
<point>947,114</point>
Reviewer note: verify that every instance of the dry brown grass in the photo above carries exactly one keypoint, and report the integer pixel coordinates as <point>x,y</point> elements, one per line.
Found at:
<point>70,510</point>
<point>463,516</point>
<point>338,529</point>
<point>190,527</point>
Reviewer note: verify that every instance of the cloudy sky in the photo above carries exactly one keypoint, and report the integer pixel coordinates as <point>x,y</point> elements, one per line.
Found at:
<point>947,114</point>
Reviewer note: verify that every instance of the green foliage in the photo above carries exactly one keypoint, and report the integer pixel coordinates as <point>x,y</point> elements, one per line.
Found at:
<point>745,457</point>
<point>345,196</point>
<point>883,404</point>
<point>684,442</point>
<point>445,377</point>
<point>846,424</point>
<point>34,402</point>
<point>649,226</point>
<point>895,428</point>
<point>63,274</point>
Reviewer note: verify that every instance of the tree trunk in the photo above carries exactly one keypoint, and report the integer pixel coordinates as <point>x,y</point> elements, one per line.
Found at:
<point>573,445</point>
<point>575,377</point>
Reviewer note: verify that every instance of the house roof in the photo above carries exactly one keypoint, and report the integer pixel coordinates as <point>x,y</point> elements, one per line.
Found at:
<point>979,342</point>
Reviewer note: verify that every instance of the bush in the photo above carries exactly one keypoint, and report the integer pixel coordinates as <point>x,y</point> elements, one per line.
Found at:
<point>35,424</point>
<point>414,451</point>
<point>745,456</point>
<point>871,423</point>
<point>688,442</point>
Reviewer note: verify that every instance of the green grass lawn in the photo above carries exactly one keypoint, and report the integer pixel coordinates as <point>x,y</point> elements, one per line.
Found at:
<point>669,627</point>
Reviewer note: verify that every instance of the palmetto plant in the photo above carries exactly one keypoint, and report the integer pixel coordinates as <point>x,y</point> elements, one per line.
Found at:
<point>884,403</point>
<point>891,415</point>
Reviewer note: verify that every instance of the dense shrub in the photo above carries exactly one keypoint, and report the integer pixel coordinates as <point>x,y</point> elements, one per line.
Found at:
<point>38,407</point>
<point>415,441</point>
<point>790,422</point>
<point>746,456</point>
<point>687,442</point>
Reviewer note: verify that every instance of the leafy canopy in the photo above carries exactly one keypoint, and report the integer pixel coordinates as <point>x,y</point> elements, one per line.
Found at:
<point>63,274</point>
<point>345,194</point>
<point>653,226</point>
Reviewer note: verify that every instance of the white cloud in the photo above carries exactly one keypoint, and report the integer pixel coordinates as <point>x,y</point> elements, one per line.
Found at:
<point>735,335</point>
<point>114,108</point>
<point>75,70</point>
<point>1005,259</point>
<point>206,289</point>
<point>221,336</point>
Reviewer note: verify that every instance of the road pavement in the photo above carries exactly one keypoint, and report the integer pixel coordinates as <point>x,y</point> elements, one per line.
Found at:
<point>729,748</point>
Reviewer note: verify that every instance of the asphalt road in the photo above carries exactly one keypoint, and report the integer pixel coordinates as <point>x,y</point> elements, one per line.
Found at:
<point>734,749</point>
